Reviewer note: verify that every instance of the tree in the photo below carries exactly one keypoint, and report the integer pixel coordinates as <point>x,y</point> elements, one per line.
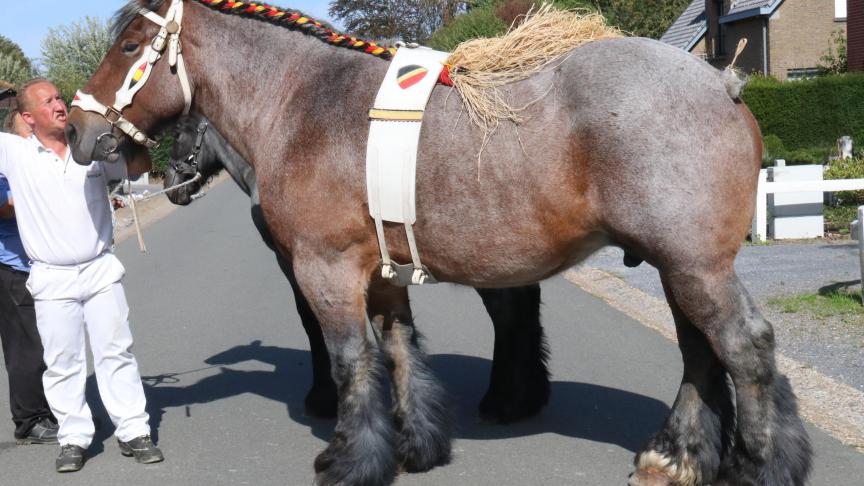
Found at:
<point>409,20</point>
<point>489,18</point>
<point>15,68</point>
<point>835,60</point>
<point>643,18</point>
<point>10,49</point>
<point>71,53</point>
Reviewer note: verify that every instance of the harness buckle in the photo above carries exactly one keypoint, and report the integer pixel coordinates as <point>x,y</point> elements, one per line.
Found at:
<point>159,42</point>
<point>110,112</point>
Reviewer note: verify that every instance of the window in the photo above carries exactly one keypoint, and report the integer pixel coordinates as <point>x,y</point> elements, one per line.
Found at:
<point>803,73</point>
<point>839,9</point>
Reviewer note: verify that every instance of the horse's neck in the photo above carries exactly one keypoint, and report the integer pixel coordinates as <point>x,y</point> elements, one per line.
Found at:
<point>236,166</point>
<point>271,81</point>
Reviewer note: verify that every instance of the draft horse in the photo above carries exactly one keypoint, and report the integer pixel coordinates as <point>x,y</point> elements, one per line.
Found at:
<point>626,142</point>
<point>519,383</point>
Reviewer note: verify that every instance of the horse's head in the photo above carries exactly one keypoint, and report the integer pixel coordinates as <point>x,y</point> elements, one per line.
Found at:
<point>192,154</point>
<point>145,63</point>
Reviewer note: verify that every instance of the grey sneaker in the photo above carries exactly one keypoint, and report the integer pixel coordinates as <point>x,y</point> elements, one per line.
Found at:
<point>142,448</point>
<point>44,432</point>
<point>71,458</point>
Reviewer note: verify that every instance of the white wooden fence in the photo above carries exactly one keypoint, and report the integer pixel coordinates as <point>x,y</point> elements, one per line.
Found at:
<point>760,217</point>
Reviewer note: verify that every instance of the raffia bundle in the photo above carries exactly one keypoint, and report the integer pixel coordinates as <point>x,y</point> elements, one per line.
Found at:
<point>479,67</point>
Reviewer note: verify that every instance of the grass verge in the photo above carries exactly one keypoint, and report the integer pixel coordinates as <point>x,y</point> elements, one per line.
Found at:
<point>843,302</point>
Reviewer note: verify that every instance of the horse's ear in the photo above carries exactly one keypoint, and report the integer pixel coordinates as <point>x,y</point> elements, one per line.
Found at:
<point>256,343</point>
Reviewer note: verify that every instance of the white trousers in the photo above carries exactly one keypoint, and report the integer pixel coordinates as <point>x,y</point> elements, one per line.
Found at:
<point>70,299</point>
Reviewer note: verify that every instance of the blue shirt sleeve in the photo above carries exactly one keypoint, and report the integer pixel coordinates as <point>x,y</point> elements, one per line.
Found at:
<point>4,190</point>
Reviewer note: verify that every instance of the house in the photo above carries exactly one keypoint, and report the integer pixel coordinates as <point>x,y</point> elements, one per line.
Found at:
<point>785,38</point>
<point>855,35</point>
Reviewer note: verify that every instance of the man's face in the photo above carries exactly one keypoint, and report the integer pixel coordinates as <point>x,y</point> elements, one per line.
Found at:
<point>46,111</point>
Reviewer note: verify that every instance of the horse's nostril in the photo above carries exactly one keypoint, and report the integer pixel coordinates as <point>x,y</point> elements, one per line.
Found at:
<point>71,134</point>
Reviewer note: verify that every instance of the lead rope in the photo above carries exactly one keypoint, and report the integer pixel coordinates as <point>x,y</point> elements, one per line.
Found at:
<point>130,201</point>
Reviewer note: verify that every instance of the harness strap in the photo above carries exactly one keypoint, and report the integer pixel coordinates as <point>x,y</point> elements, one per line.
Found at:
<point>168,36</point>
<point>88,103</point>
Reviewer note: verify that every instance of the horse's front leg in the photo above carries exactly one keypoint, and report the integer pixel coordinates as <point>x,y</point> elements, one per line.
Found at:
<point>321,398</point>
<point>519,382</point>
<point>361,451</point>
<point>422,419</point>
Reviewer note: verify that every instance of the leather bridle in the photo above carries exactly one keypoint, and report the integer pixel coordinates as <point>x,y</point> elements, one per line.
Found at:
<point>167,37</point>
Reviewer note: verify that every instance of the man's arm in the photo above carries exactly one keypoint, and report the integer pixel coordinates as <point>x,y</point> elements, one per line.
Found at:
<point>7,210</point>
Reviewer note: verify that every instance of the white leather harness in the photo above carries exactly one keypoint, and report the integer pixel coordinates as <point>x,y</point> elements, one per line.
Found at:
<point>391,154</point>
<point>139,73</point>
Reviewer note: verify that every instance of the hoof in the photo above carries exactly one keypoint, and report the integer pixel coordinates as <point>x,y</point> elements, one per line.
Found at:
<point>497,409</point>
<point>649,478</point>
<point>321,401</point>
<point>338,465</point>
<point>422,454</point>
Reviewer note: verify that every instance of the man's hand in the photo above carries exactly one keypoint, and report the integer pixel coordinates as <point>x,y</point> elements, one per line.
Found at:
<point>7,209</point>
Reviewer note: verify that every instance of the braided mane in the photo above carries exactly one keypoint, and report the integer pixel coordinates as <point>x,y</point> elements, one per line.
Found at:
<point>266,13</point>
<point>299,22</point>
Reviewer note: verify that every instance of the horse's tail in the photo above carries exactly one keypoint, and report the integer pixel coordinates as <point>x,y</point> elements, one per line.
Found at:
<point>734,81</point>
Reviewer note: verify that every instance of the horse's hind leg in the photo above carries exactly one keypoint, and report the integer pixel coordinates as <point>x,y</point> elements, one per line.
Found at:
<point>361,451</point>
<point>519,382</point>
<point>422,421</point>
<point>771,447</point>
<point>321,398</point>
<point>697,433</point>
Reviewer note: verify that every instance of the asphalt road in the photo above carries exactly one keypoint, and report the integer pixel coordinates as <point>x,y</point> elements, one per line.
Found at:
<point>226,368</point>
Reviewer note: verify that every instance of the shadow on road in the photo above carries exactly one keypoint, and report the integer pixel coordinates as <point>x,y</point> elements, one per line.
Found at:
<point>580,410</point>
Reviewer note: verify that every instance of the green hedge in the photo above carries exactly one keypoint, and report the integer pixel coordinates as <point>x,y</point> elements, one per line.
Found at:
<point>808,115</point>
<point>483,21</point>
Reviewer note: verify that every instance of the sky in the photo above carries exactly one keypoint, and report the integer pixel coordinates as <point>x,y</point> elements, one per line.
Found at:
<point>27,24</point>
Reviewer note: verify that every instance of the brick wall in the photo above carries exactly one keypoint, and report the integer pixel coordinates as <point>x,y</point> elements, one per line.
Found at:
<point>855,20</point>
<point>799,33</point>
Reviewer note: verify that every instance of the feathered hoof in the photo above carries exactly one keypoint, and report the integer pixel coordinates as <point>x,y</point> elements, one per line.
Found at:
<point>337,465</point>
<point>649,478</point>
<point>420,454</point>
<point>498,409</point>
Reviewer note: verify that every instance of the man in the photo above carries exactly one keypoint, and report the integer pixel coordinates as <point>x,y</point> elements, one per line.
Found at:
<point>22,350</point>
<point>65,223</point>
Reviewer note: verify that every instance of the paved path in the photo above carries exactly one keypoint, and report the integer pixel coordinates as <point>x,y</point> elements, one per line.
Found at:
<point>227,367</point>
<point>832,347</point>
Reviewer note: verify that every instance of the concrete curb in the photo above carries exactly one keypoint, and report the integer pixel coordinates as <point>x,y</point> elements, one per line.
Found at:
<point>836,408</point>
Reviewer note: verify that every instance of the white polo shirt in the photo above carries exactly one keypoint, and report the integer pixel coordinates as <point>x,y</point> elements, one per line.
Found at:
<point>62,208</point>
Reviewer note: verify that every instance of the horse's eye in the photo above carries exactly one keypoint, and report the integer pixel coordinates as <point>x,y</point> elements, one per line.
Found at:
<point>130,47</point>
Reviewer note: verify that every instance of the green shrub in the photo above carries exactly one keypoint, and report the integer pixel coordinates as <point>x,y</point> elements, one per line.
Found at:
<point>479,22</point>
<point>808,113</point>
<point>847,169</point>
<point>485,20</point>
<point>772,148</point>
<point>160,154</point>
